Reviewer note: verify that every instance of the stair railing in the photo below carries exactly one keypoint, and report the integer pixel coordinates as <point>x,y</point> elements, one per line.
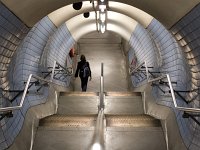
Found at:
<point>188,111</point>
<point>169,83</point>
<point>140,71</point>
<point>185,109</point>
<point>98,143</point>
<point>135,69</point>
<point>27,86</point>
<point>19,92</point>
<point>58,69</point>
<point>144,70</point>
<point>167,76</point>
<point>68,71</point>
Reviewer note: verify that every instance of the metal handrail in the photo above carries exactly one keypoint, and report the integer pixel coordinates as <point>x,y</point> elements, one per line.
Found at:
<point>66,69</point>
<point>63,68</point>
<point>136,68</point>
<point>99,131</point>
<point>7,109</point>
<point>186,109</point>
<point>19,92</point>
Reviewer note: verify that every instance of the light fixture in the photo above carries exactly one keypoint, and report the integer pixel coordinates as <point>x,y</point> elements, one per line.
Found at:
<point>102,8</point>
<point>102,15</point>
<point>102,27</point>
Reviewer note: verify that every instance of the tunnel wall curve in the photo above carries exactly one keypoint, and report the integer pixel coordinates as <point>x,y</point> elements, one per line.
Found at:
<point>12,32</point>
<point>142,48</point>
<point>178,59</point>
<point>24,60</point>
<point>173,63</point>
<point>186,32</point>
<point>57,49</point>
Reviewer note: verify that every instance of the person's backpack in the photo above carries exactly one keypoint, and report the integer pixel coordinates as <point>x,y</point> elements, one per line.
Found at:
<point>85,70</point>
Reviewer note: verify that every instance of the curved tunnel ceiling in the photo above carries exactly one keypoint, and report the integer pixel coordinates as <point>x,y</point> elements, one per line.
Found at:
<point>79,26</point>
<point>167,12</point>
<point>61,15</point>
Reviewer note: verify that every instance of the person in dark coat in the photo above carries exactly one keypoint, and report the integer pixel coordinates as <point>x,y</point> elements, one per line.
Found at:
<point>79,71</point>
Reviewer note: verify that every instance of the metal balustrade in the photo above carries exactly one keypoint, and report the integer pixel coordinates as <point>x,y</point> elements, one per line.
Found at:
<point>164,79</point>
<point>33,80</point>
<point>28,85</point>
<point>58,72</point>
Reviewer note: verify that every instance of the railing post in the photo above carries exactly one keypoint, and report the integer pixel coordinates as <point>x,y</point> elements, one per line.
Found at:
<point>25,90</point>
<point>102,69</point>
<point>53,69</point>
<point>101,105</point>
<point>147,71</point>
<point>172,90</point>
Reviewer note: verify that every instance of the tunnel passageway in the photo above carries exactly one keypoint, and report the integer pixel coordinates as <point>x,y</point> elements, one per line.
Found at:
<point>35,41</point>
<point>107,49</point>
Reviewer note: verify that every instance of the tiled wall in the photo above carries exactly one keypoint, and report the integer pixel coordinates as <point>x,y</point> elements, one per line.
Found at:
<point>25,61</point>
<point>179,60</point>
<point>142,49</point>
<point>12,32</point>
<point>173,60</point>
<point>21,57</point>
<point>57,49</point>
<point>29,52</point>
<point>21,51</point>
<point>156,45</point>
<point>175,64</point>
<point>187,33</point>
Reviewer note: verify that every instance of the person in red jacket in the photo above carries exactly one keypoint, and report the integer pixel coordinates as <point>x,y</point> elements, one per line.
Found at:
<point>84,72</point>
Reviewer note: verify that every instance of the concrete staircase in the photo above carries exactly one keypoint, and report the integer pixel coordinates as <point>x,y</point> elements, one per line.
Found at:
<point>127,127</point>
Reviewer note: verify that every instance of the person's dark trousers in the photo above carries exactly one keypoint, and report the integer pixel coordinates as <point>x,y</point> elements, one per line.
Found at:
<point>84,82</point>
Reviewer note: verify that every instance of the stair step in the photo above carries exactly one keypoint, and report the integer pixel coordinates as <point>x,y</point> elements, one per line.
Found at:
<point>87,103</point>
<point>122,93</point>
<point>140,138</point>
<point>65,121</point>
<point>89,121</point>
<point>63,139</point>
<point>123,97</point>
<point>131,121</point>
<point>112,93</point>
<point>79,94</point>
<point>124,105</point>
<point>78,105</point>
